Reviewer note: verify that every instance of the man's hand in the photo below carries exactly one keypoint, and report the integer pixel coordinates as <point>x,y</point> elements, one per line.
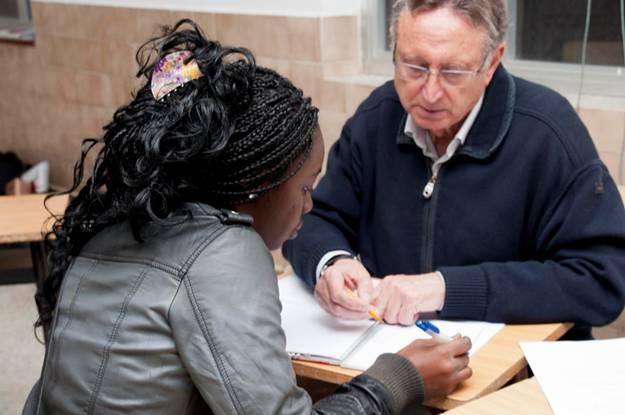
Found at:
<point>344,289</point>
<point>441,365</point>
<point>399,299</point>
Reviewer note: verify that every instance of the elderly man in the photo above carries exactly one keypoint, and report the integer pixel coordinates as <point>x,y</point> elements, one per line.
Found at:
<point>474,194</point>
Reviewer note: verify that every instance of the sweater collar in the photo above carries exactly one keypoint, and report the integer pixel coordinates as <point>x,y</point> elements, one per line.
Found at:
<point>492,122</point>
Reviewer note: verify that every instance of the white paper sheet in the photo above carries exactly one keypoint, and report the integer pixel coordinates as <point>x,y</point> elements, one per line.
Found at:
<point>309,329</point>
<point>313,334</point>
<point>387,339</point>
<point>392,338</point>
<point>478,331</point>
<point>580,377</point>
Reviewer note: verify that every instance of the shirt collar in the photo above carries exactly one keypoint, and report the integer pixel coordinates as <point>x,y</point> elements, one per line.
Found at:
<point>422,138</point>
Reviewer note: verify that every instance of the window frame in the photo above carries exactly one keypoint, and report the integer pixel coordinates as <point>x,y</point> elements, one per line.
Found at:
<point>20,28</point>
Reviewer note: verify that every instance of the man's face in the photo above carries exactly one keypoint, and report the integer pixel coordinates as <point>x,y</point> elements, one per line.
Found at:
<point>441,39</point>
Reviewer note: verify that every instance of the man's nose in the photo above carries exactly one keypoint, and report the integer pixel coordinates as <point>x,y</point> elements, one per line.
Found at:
<point>431,89</point>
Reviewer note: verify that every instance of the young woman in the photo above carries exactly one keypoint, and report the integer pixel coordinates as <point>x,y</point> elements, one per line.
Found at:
<point>162,296</point>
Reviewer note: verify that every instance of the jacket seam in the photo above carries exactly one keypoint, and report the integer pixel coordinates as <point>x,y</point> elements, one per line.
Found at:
<point>65,326</point>
<point>199,317</point>
<point>174,271</point>
<point>207,212</point>
<point>201,247</point>
<point>575,175</point>
<point>112,338</point>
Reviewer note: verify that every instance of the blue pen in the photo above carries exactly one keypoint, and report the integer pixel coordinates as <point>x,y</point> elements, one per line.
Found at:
<point>432,330</point>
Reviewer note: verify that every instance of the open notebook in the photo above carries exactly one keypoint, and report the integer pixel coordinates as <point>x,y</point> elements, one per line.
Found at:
<point>314,335</point>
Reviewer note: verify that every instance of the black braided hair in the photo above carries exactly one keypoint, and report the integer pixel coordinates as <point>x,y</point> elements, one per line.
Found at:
<point>239,130</point>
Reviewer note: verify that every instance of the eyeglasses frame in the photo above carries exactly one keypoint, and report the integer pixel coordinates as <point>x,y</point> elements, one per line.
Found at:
<point>426,72</point>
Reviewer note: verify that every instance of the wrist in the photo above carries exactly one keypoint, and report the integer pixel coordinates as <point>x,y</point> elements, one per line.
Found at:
<point>432,287</point>
<point>441,300</point>
<point>331,262</point>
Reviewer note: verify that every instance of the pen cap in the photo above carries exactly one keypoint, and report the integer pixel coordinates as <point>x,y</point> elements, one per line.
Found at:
<point>427,326</point>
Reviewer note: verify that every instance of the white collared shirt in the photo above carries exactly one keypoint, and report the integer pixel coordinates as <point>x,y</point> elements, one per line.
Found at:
<point>423,140</point>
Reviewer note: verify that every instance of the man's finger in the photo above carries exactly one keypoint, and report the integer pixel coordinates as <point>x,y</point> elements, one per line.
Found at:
<point>341,295</point>
<point>380,298</point>
<point>365,288</point>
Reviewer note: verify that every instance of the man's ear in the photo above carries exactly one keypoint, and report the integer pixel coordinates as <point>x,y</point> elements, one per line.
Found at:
<point>495,60</point>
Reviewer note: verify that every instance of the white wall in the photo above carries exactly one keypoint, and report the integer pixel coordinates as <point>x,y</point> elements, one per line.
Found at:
<point>302,8</point>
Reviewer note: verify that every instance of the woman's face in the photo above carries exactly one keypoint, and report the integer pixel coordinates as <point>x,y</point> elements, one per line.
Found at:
<point>279,213</point>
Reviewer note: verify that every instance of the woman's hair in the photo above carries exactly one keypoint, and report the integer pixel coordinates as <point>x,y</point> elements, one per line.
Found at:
<point>235,132</point>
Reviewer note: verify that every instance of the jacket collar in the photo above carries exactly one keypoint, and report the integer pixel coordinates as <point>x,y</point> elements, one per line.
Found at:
<point>492,122</point>
<point>226,216</point>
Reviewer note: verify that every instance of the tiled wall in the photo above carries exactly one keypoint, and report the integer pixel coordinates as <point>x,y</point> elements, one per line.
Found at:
<point>66,86</point>
<point>81,68</point>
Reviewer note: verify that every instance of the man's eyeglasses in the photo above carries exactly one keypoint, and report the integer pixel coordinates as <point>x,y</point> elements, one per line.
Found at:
<point>448,77</point>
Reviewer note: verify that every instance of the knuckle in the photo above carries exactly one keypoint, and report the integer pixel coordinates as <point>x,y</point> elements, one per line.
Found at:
<point>325,306</point>
<point>449,366</point>
<point>334,297</point>
<point>330,274</point>
<point>334,309</point>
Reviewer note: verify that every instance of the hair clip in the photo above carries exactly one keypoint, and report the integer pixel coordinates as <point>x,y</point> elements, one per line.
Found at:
<point>171,72</point>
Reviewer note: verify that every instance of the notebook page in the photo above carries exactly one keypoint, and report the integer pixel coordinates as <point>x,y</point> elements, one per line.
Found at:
<point>478,331</point>
<point>311,333</point>
<point>392,338</point>
<point>580,377</point>
<point>388,339</point>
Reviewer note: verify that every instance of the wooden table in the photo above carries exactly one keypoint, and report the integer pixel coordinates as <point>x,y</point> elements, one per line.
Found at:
<point>493,365</point>
<point>521,398</point>
<point>24,218</point>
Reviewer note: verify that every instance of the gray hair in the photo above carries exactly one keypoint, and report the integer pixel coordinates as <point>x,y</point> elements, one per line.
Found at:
<point>488,14</point>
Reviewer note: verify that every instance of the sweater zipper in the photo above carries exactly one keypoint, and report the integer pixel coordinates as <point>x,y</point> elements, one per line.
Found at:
<point>429,186</point>
<point>428,239</point>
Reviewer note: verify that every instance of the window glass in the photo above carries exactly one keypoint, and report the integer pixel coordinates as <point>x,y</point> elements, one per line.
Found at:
<point>553,31</point>
<point>15,21</point>
<point>9,9</point>
<point>388,6</point>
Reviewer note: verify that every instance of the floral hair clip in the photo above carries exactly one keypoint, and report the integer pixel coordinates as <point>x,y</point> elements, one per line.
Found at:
<point>171,72</point>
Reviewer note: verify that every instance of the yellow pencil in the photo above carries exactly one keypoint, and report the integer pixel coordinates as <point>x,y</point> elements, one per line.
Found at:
<point>371,311</point>
<point>374,315</point>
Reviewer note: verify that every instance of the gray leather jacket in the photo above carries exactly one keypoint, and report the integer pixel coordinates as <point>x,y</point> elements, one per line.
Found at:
<point>187,321</point>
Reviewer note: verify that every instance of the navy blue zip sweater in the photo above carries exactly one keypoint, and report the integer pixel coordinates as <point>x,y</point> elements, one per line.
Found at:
<point>525,222</point>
